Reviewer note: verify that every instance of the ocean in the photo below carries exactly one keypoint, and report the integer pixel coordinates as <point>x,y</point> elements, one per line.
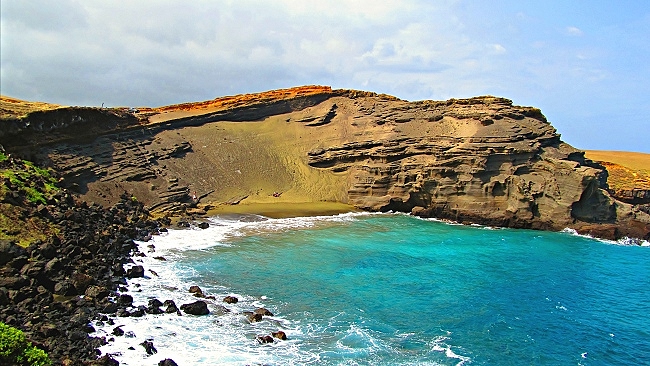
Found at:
<point>390,289</point>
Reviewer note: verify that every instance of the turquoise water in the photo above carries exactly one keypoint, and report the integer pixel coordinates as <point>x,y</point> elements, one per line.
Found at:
<point>391,289</point>
<point>397,290</point>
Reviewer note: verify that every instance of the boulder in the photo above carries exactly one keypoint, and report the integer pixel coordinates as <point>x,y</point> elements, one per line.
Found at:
<point>171,306</point>
<point>148,347</point>
<point>110,308</point>
<point>263,311</point>
<point>65,288</point>
<point>220,310</point>
<point>49,330</point>
<point>53,265</point>
<point>135,272</point>
<point>154,310</point>
<point>13,283</point>
<point>196,290</point>
<point>203,225</point>
<point>4,296</point>
<point>125,300</point>
<point>10,250</point>
<point>262,339</point>
<point>230,300</point>
<point>279,335</point>
<point>105,360</point>
<point>252,317</point>
<point>167,362</point>
<point>122,313</point>
<point>137,313</point>
<point>155,303</point>
<point>97,292</point>
<point>81,281</point>
<point>196,308</point>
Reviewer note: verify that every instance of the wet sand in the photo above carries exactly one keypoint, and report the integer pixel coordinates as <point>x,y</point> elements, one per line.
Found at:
<point>284,209</point>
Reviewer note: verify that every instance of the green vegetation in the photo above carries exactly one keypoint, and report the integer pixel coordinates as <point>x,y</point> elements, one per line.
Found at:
<point>15,349</point>
<point>24,185</point>
<point>37,183</point>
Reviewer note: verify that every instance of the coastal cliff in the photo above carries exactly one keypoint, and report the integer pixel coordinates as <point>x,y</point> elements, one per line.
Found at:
<point>480,160</point>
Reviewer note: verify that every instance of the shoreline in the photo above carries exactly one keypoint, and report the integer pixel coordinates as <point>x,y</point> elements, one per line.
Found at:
<point>282,210</point>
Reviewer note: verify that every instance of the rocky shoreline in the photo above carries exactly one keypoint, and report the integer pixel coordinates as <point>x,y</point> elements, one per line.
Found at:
<point>54,288</point>
<point>61,290</point>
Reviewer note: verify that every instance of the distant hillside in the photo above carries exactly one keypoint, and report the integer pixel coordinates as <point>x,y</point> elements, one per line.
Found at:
<point>16,108</point>
<point>629,174</point>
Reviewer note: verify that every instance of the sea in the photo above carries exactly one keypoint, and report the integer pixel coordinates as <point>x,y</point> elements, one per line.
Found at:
<point>389,289</point>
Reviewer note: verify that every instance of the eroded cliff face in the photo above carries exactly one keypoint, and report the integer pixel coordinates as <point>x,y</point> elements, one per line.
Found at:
<point>481,160</point>
<point>477,160</point>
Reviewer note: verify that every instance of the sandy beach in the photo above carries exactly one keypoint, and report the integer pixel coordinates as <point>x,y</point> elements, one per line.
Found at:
<point>279,210</point>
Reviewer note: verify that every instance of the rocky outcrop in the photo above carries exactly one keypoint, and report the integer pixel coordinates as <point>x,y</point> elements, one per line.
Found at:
<point>481,160</point>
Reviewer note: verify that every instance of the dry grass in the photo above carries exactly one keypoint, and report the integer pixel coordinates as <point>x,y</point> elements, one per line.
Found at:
<point>182,110</point>
<point>627,170</point>
<point>16,108</point>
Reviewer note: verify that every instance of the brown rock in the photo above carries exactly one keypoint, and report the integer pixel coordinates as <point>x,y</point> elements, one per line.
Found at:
<point>279,335</point>
<point>196,290</point>
<point>263,339</point>
<point>263,311</point>
<point>230,300</point>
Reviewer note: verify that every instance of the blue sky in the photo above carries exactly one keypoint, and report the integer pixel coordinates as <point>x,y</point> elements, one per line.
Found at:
<point>586,64</point>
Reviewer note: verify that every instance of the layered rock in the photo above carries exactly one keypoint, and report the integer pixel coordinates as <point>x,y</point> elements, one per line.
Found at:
<point>480,160</point>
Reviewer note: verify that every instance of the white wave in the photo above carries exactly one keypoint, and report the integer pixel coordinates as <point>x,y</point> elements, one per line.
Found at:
<point>196,340</point>
<point>211,339</point>
<point>625,241</point>
<point>439,344</point>
<point>229,339</point>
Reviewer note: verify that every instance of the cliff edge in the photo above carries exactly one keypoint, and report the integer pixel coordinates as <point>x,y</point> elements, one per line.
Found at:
<point>481,160</point>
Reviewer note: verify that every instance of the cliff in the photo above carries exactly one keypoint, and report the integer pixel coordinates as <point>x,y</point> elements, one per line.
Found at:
<point>481,160</point>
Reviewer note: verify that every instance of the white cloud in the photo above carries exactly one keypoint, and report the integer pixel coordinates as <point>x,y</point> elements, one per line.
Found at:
<point>574,31</point>
<point>497,48</point>
<point>170,51</point>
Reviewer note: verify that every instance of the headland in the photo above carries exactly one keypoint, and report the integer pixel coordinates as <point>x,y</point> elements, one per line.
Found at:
<point>479,160</point>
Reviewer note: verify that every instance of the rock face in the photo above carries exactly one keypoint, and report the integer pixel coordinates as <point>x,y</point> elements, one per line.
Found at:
<point>481,160</point>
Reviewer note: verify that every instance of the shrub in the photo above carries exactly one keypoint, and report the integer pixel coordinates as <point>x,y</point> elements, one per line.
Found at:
<point>15,349</point>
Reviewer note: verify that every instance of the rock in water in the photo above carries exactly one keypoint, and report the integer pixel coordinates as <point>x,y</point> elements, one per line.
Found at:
<point>105,360</point>
<point>263,311</point>
<point>135,272</point>
<point>171,306</point>
<point>279,335</point>
<point>262,339</point>
<point>196,308</point>
<point>230,300</point>
<point>196,290</point>
<point>253,318</point>
<point>148,347</point>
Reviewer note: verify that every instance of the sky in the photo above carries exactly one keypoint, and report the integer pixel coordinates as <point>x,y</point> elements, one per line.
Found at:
<point>586,64</point>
